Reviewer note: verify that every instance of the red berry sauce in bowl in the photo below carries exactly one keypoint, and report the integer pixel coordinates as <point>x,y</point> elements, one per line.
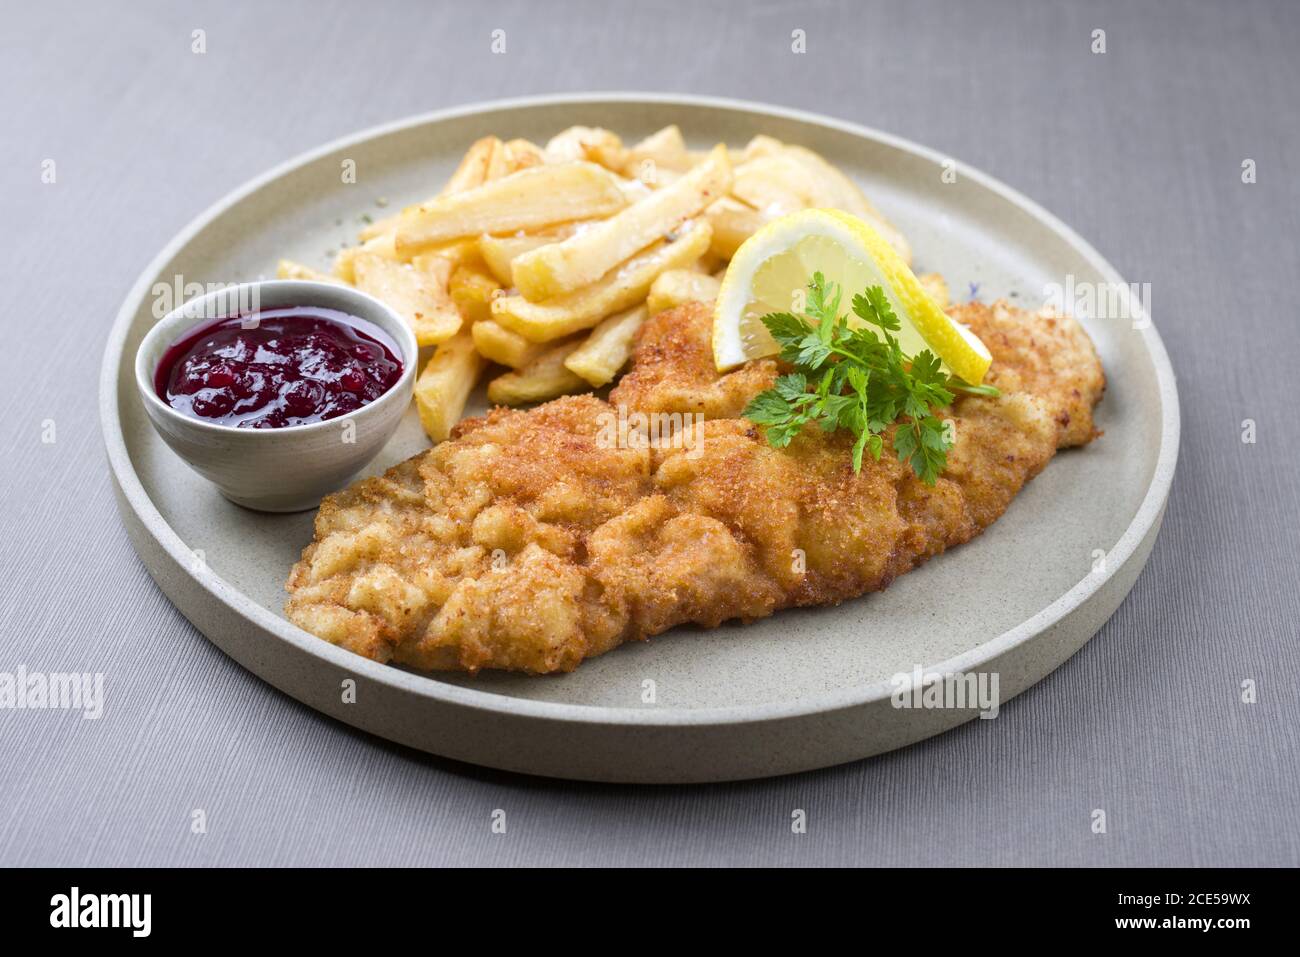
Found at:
<point>277,368</point>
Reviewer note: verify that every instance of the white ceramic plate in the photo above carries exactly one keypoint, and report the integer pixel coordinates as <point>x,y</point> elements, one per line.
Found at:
<point>803,689</point>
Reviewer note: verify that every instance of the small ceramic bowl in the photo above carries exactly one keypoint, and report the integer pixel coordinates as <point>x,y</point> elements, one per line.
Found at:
<point>288,469</point>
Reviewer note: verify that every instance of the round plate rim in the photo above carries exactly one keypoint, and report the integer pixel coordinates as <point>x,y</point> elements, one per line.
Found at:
<point>133,492</point>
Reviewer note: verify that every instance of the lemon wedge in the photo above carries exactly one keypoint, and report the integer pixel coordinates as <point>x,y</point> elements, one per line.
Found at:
<point>770,273</point>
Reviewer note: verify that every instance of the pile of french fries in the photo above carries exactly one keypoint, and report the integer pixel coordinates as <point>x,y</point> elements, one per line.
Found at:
<point>547,260</point>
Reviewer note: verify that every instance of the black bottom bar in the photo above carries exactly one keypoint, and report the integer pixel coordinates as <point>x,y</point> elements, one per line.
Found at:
<point>329,906</point>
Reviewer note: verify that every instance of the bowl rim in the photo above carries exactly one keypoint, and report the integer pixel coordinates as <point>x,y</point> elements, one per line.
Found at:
<point>1147,516</point>
<point>400,332</point>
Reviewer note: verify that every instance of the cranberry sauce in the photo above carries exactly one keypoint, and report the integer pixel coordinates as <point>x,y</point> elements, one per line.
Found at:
<point>278,367</point>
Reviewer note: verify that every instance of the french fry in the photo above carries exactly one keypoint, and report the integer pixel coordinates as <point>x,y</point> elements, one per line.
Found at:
<point>501,345</point>
<point>473,167</point>
<point>499,252</point>
<point>608,348</point>
<point>587,143</point>
<point>379,227</point>
<point>761,145</point>
<point>829,187</point>
<point>544,378</point>
<point>665,149</point>
<point>288,269</point>
<point>620,288</point>
<point>823,183</point>
<point>785,179</point>
<point>521,154</point>
<point>445,384</point>
<point>656,177</point>
<point>609,153</point>
<point>733,222</point>
<point>472,290</point>
<point>419,296</point>
<point>562,267</point>
<point>538,196</point>
<point>566,146</point>
<point>735,156</point>
<point>772,184</point>
<point>342,268</point>
<point>677,286</point>
<point>498,163</point>
<point>936,288</point>
<point>379,246</point>
<point>633,189</point>
<point>458,252</point>
<point>481,160</point>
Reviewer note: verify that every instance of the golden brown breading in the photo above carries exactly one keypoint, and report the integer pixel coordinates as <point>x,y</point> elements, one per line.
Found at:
<point>535,539</point>
<point>673,370</point>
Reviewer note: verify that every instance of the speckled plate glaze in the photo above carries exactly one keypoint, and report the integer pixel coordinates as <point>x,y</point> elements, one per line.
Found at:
<point>801,690</point>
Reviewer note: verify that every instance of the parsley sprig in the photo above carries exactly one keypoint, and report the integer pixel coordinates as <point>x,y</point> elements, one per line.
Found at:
<point>858,379</point>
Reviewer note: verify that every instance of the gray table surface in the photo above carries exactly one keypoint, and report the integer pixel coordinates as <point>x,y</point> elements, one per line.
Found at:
<point>1139,148</point>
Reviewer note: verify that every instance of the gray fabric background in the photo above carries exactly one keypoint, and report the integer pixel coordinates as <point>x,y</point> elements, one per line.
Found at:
<point>1140,149</point>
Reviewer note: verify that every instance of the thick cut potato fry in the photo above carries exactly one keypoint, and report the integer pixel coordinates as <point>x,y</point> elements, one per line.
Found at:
<point>538,196</point>
<point>498,162</point>
<point>461,252</point>
<point>733,222</point>
<point>665,150</point>
<point>544,378</point>
<point>678,286</point>
<point>608,348</point>
<point>633,189</point>
<point>380,227</point>
<point>472,289</point>
<point>699,156</point>
<point>288,269</point>
<point>342,267</point>
<point>831,188</point>
<point>936,288</point>
<point>473,168</point>
<point>419,296</point>
<point>586,143</point>
<point>761,145</point>
<point>505,347</point>
<point>499,252</point>
<point>826,186</point>
<point>521,154</point>
<point>776,185</point>
<point>379,246</point>
<point>486,159</point>
<point>780,181</point>
<point>620,288</point>
<point>445,384</point>
<point>562,267</point>
<point>654,176</point>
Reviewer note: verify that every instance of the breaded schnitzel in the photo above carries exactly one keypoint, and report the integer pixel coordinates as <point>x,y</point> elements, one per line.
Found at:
<point>530,541</point>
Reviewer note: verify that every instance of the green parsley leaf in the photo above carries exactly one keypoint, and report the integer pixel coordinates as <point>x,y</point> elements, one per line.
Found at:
<point>786,328</point>
<point>824,311</point>
<point>873,306</point>
<point>791,387</point>
<point>860,380</point>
